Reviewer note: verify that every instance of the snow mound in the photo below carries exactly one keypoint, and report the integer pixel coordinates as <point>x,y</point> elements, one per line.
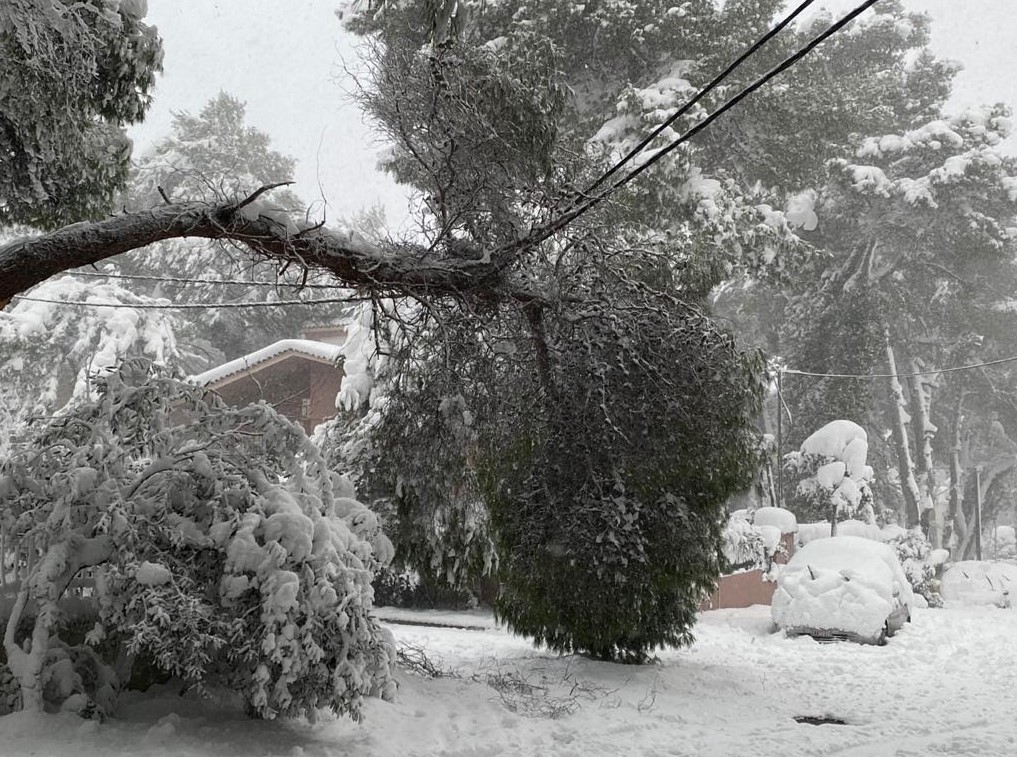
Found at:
<point>841,584</point>
<point>842,440</point>
<point>979,583</point>
<point>777,517</point>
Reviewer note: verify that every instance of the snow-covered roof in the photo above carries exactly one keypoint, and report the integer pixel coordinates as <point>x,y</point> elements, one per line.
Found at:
<point>319,351</point>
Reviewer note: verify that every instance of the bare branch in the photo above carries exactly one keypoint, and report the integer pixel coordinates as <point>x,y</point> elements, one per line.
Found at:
<point>259,192</point>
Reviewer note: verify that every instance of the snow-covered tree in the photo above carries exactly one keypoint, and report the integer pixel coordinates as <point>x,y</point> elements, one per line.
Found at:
<point>834,478</point>
<point>500,122</point>
<point>918,231</point>
<point>218,545</point>
<point>84,69</point>
<point>420,483</point>
<point>52,352</point>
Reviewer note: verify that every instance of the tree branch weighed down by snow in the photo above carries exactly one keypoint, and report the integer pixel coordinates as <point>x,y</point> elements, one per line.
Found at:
<point>261,227</point>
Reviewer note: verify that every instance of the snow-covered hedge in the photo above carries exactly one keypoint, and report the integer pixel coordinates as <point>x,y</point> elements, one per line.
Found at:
<point>218,544</point>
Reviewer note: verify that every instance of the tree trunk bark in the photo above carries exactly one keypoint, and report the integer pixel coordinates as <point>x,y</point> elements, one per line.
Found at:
<point>357,262</point>
<point>957,526</point>
<point>906,467</point>
<point>68,558</point>
<point>924,431</point>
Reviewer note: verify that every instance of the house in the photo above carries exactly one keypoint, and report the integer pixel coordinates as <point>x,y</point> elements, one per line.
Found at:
<point>300,378</point>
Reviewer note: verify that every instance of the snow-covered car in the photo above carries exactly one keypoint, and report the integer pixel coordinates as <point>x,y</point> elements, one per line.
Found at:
<point>843,587</point>
<point>980,583</point>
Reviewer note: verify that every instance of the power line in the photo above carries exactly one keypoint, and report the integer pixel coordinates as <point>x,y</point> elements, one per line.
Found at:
<point>191,305</point>
<point>953,369</point>
<point>184,280</point>
<point>568,217</point>
<point>713,84</point>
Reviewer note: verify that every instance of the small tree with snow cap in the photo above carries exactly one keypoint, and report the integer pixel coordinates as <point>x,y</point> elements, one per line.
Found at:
<point>219,547</point>
<point>834,480</point>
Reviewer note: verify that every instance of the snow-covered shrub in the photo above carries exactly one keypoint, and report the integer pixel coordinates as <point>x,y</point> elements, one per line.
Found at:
<point>744,546</point>
<point>218,545</point>
<point>1003,543</point>
<point>833,477</point>
<point>915,554</point>
<point>10,691</point>
<point>404,587</point>
<point>753,538</point>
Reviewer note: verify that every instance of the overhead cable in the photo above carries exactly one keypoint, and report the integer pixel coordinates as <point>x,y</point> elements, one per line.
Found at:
<point>713,84</point>
<point>190,305</point>
<point>198,280</point>
<point>539,235</point>
<point>935,372</point>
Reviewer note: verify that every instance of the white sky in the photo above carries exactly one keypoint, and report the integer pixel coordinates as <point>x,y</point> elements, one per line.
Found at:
<point>285,58</point>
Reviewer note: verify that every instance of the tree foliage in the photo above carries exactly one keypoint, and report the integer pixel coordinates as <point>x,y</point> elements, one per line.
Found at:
<point>219,547</point>
<point>83,70</point>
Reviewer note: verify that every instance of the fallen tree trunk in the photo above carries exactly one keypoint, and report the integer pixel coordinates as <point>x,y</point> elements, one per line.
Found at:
<point>355,261</point>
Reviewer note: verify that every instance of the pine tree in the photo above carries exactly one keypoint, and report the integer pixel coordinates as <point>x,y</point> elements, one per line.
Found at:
<point>85,70</point>
<point>561,472</point>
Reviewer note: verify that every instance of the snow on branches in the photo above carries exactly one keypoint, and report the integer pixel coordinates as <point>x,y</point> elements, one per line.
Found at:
<point>219,548</point>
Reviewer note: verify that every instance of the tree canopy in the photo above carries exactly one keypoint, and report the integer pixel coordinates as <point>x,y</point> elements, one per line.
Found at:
<point>84,70</point>
<point>572,373</point>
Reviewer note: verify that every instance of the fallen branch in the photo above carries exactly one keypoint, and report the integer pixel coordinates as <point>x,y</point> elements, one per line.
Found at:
<point>404,270</point>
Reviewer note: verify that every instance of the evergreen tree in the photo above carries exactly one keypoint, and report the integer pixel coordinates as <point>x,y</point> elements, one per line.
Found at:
<point>917,232</point>
<point>606,517</point>
<point>83,69</point>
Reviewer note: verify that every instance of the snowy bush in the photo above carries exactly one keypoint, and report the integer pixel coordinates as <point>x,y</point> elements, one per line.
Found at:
<point>219,548</point>
<point>10,691</point>
<point>744,546</point>
<point>915,552</point>
<point>753,538</point>
<point>1003,543</point>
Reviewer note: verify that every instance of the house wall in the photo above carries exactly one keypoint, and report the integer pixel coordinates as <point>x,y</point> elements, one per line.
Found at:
<point>302,390</point>
<point>741,590</point>
<point>324,386</point>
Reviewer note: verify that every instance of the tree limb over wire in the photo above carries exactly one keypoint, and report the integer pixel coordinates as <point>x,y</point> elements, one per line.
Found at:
<point>355,261</point>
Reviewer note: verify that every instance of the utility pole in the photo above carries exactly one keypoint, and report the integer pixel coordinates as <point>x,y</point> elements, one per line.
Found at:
<point>978,512</point>
<point>780,437</point>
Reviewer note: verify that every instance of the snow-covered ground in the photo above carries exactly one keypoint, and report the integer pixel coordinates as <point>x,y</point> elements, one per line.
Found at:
<point>945,685</point>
